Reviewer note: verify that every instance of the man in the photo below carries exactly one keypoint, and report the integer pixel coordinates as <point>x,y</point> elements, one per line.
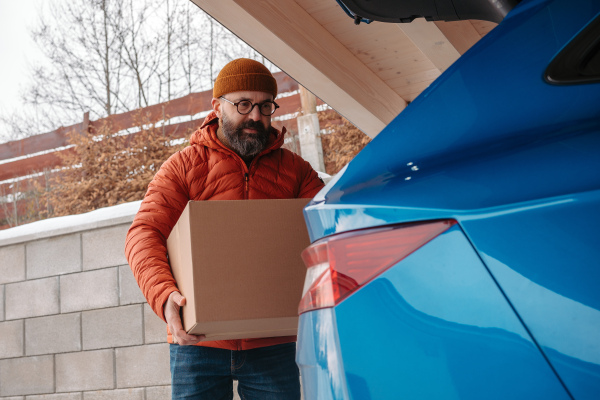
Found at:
<point>235,154</point>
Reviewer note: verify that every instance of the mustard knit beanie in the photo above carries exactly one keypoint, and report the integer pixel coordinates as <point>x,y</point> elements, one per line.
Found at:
<point>244,74</point>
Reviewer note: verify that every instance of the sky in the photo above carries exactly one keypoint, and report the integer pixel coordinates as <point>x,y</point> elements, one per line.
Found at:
<point>17,49</point>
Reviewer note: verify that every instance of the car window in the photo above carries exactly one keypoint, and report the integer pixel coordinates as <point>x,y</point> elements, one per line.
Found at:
<point>579,61</point>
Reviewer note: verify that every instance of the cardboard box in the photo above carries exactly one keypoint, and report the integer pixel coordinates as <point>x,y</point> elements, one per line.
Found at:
<point>238,265</point>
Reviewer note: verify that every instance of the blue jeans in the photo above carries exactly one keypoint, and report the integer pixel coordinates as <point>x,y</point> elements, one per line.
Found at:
<point>267,373</point>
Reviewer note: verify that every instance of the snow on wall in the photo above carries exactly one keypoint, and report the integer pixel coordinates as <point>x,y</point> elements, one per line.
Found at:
<point>102,217</point>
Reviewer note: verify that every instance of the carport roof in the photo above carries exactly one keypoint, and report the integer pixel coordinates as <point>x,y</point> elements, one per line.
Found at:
<point>366,72</point>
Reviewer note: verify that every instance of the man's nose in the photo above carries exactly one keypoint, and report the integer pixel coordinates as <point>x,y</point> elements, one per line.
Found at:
<point>255,113</point>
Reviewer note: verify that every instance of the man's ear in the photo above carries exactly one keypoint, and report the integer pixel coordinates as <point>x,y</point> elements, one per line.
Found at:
<point>216,106</point>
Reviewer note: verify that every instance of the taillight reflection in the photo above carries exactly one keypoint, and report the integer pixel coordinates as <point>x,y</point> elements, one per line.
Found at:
<point>340,265</point>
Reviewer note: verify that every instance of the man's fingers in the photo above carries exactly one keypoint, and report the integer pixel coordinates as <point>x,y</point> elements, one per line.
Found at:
<point>184,339</point>
<point>180,336</point>
<point>178,299</point>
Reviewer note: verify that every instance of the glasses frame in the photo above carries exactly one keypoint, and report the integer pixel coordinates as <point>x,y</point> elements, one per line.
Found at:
<point>253,105</point>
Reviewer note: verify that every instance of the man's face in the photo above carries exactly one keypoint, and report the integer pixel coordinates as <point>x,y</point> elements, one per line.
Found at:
<point>247,134</point>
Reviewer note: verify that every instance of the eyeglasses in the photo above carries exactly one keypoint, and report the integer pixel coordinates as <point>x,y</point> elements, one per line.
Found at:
<point>245,107</point>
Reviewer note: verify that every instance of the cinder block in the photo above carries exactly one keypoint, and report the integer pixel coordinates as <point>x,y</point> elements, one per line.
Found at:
<point>14,398</point>
<point>112,327</point>
<point>158,393</point>
<point>104,247</point>
<point>54,256</point>
<point>57,396</point>
<point>12,267</point>
<point>146,365</point>
<point>89,290</point>
<point>34,298</point>
<point>11,337</point>
<point>155,329</point>
<point>129,291</point>
<point>86,370</point>
<point>16,373</point>
<point>119,394</point>
<point>55,334</point>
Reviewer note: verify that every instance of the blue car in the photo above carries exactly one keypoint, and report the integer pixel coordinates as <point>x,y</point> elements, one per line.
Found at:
<point>458,255</point>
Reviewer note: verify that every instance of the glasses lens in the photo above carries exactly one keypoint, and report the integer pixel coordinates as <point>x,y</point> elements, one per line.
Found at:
<point>244,107</point>
<point>267,108</point>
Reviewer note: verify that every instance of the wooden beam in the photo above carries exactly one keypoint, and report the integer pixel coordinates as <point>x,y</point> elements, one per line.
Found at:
<point>432,42</point>
<point>462,34</point>
<point>293,40</point>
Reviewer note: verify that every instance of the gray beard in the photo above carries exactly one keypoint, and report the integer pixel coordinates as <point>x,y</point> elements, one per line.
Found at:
<point>246,145</point>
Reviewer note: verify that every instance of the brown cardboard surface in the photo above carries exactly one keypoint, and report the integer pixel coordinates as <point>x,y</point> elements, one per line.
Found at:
<point>238,264</point>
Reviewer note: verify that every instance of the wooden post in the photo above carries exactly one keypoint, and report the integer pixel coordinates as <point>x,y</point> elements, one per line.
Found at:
<point>308,101</point>
<point>311,148</point>
<point>85,125</point>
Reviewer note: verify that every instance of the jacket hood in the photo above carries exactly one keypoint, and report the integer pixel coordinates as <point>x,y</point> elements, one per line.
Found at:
<point>206,135</point>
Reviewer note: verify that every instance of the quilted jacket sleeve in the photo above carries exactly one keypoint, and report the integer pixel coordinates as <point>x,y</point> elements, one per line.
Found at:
<point>145,246</point>
<point>310,184</point>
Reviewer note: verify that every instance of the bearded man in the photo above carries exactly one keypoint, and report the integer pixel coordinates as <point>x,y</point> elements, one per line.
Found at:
<point>235,154</point>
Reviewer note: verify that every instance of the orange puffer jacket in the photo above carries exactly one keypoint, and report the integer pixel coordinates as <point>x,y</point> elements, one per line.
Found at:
<point>207,170</point>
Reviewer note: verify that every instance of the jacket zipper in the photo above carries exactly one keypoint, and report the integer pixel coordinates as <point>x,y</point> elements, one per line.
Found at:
<point>247,180</point>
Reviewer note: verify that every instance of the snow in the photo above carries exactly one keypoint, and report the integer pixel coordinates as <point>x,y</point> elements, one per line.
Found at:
<point>286,117</point>
<point>103,217</point>
<point>286,94</point>
<point>326,177</point>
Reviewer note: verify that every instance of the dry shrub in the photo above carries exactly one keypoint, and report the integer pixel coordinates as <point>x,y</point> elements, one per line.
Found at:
<point>106,169</point>
<point>343,143</point>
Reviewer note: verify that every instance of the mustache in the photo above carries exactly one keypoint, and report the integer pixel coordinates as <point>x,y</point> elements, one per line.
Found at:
<point>258,125</point>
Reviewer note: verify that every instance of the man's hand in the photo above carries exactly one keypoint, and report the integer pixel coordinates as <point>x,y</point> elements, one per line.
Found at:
<point>171,308</point>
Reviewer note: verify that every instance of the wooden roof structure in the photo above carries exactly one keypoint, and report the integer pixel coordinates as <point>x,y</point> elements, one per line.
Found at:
<point>366,72</point>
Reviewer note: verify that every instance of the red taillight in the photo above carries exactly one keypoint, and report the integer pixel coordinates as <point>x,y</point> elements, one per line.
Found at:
<point>340,265</point>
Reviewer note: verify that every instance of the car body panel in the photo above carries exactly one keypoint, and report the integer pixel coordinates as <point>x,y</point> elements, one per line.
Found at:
<point>516,161</point>
<point>546,260</point>
<point>320,360</point>
<point>444,330</point>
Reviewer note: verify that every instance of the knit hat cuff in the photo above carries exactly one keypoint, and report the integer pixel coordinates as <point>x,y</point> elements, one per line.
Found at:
<point>245,82</point>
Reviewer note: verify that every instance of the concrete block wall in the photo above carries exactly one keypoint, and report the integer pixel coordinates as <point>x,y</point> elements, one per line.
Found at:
<point>73,322</point>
